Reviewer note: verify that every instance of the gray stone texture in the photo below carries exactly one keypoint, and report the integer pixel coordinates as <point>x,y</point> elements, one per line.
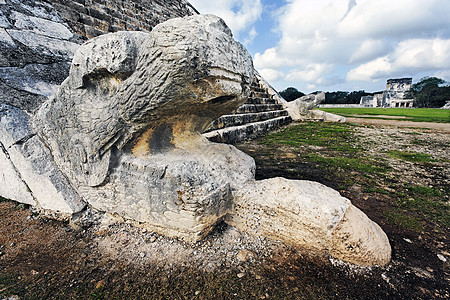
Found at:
<point>37,79</point>
<point>40,26</point>
<point>12,185</point>
<point>299,108</point>
<point>125,125</point>
<point>29,167</point>
<point>122,133</point>
<point>261,113</point>
<point>46,34</point>
<point>310,216</point>
<point>95,17</point>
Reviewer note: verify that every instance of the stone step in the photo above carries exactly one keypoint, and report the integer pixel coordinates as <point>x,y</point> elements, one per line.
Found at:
<point>255,108</point>
<point>235,134</point>
<point>257,89</point>
<point>252,100</point>
<point>241,119</point>
<point>259,94</point>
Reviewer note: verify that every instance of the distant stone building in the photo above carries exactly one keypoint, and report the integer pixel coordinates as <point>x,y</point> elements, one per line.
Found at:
<point>395,95</point>
<point>375,100</point>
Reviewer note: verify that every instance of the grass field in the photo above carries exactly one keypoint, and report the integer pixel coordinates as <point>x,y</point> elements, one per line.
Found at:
<point>415,115</point>
<point>334,154</point>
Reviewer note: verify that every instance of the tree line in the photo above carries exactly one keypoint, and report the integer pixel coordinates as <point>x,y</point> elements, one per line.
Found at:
<point>429,92</point>
<point>340,97</point>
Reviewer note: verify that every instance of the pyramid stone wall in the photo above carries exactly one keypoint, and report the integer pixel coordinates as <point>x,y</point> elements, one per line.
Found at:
<point>261,113</point>
<point>39,38</point>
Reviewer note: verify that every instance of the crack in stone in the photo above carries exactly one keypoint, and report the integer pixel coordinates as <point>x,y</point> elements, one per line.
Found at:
<point>23,140</point>
<point>3,149</point>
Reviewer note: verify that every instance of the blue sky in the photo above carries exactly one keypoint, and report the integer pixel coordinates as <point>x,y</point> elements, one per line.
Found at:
<point>332,45</point>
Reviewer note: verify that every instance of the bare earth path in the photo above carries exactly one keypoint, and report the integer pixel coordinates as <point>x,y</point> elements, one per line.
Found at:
<point>387,122</point>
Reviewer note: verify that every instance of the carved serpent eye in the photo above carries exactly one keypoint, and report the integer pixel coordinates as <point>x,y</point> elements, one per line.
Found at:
<point>89,169</point>
<point>80,153</point>
<point>78,156</point>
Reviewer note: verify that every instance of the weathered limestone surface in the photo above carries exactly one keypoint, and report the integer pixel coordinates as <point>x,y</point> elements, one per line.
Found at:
<point>311,216</point>
<point>261,113</point>
<point>301,212</point>
<point>318,115</point>
<point>39,38</point>
<point>122,134</point>
<point>11,184</point>
<point>359,240</point>
<point>36,47</point>
<point>125,125</point>
<point>30,169</point>
<point>299,108</point>
<point>180,193</point>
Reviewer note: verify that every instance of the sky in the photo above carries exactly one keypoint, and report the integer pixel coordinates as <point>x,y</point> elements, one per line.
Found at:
<point>339,45</point>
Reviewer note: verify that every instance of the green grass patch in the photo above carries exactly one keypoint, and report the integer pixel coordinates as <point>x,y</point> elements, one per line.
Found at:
<point>424,191</point>
<point>401,219</point>
<point>415,115</point>
<point>418,204</point>
<point>411,156</point>
<point>375,189</point>
<point>338,156</point>
<point>3,199</point>
<point>419,142</point>
<point>331,136</point>
<point>361,165</point>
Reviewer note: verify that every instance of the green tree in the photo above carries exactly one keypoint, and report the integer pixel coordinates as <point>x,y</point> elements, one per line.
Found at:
<point>291,93</point>
<point>335,97</point>
<point>355,97</point>
<point>429,92</point>
<point>341,97</point>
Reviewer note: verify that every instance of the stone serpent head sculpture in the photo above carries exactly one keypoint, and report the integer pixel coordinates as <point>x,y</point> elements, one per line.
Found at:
<point>143,92</point>
<point>125,129</point>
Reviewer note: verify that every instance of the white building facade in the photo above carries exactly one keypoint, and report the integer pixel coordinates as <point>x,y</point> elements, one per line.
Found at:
<point>397,94</point>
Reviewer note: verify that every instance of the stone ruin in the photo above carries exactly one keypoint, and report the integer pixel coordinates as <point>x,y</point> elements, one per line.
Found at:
<point>38,40</point>
<point>301,109</point>
<point>395,95</point>
<point>264,111</point>
<point>123,135</point>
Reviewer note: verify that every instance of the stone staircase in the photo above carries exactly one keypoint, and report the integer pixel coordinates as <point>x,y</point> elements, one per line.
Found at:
<point>260,114</point>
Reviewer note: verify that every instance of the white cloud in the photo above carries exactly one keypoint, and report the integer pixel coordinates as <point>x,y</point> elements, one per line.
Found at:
<point>410,56</point>
<point>370,49</point>
<point>312,73</point>
<point>251,36</point>
<point>422,54</point>
<point>399,18</point>
<point>272,59</point>
<point>321,40</point>
<point>238,14</point>
<point>271,74</point>
<point>373,70</point>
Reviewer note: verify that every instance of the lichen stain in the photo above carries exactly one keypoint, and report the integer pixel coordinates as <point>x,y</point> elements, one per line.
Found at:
<point>141,148</point>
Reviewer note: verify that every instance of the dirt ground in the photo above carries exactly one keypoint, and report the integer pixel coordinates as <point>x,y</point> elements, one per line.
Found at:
<point>444,127</point>
<point>94,257</point>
